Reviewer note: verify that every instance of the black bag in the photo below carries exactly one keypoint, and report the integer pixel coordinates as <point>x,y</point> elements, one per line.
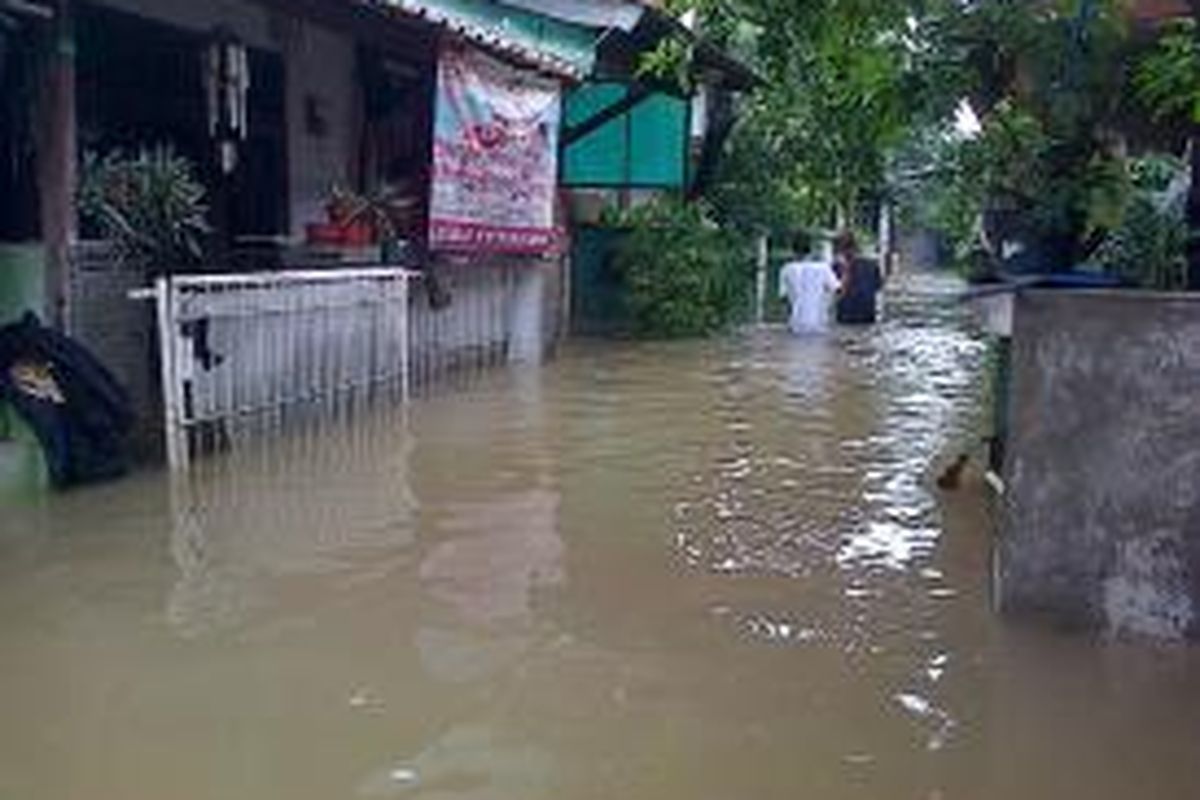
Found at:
<point>82,417</point>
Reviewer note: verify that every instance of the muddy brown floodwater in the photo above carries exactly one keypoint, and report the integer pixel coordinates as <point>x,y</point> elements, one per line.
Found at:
<point>701,571</point>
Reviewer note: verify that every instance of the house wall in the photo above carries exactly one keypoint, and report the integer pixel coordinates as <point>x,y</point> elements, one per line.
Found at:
<point>520,319</point>
<point>1101,523</point>
<point>319,64</point>
<point>251,23</point>
<point>321,76</point>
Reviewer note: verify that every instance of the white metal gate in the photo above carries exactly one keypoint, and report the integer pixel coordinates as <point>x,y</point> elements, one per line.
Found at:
<point>240,349</point>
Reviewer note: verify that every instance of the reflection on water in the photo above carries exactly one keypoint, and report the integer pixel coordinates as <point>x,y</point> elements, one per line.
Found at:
<point>671,570</point>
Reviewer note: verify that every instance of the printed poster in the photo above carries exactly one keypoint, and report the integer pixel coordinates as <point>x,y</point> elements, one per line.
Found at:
<point>495,157</point>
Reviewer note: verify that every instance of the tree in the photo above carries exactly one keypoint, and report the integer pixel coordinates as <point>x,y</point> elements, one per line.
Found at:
<point>1169,81</point>
<point>1049,82</point>
<point>839,94</point>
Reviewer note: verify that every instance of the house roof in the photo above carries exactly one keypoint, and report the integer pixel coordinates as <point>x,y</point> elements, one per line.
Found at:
<point>27,8</point>
<point>562,37</point>
<point>605,14</point>
<point>553,46</point>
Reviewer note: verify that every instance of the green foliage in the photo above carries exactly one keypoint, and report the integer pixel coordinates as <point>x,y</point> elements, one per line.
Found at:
<point>669,63</point>
<point>1148,247</point>
<point>1168,79</point>
<point>860,95</point>
<point>1156,173</point>
<point>1050,85</point>
<point>931,190</point>
<point>755,190</point>
<point>839,92</point>
<point>839,98</point>
<point>149,204</point>
<point>683,274</point>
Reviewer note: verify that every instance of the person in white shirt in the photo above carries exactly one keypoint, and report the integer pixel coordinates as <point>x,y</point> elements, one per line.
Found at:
<point>810,286</point>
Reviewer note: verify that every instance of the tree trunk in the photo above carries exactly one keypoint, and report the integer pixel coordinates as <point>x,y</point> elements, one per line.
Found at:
<point>1193,204</point>
<point>721,119</point>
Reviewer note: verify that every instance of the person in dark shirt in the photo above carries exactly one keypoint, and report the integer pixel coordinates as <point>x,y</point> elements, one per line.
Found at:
<point>861,282</point>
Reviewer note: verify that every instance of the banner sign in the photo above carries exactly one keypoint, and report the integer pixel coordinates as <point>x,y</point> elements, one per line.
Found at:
<point>495,157</point>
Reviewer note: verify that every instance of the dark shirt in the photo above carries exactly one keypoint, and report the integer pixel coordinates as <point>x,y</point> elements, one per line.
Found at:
<point>861,284</point>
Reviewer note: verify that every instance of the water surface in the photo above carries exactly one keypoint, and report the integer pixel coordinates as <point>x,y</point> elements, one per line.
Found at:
<point>648,571</point>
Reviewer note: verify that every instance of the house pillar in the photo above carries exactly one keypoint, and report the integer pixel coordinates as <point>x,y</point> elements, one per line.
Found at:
<point>57,158</point>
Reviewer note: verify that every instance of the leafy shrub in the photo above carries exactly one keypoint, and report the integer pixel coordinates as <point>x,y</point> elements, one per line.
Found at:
<point>1148,246</point>
<point>1148,249</point>
<point>149,204</point>
<point>683,275</point>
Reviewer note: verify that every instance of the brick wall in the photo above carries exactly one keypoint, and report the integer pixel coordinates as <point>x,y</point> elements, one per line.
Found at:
<point>118,331</point>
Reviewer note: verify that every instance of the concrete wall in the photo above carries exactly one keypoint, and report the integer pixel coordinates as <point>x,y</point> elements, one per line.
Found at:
<point>1101,527</point>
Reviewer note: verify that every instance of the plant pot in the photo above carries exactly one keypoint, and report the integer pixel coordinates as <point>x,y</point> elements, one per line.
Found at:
<point>358,234</point>
<point>324,233</point>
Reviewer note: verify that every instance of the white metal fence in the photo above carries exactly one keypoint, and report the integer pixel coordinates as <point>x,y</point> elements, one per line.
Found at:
<point>253,350</point>
<point>247,355</point>
<point>462,321</point>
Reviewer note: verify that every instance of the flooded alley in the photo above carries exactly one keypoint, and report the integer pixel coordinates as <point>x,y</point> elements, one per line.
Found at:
<point>647,571</point>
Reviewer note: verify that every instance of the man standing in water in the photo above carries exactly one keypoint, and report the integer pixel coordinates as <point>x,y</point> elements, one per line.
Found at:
<point>861,282</point>
<point>809,285</point>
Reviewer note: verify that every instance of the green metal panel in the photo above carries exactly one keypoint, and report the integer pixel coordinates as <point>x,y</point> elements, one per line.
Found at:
<point>22,469</point>
<point>658,138</point>
<point>597,291</point>
<point>647,147</point>
<point>598,159</point>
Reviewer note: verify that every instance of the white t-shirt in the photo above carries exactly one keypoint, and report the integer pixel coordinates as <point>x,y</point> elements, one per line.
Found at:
<point>809,286</point>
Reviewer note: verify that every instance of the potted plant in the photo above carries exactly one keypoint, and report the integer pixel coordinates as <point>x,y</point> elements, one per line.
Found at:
<point>343,226</point>
<point>149,205</point>
<point>389,212</point>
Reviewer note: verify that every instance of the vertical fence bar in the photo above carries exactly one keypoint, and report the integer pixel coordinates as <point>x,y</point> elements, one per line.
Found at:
<point>168,337</point>
<point>405,338</point>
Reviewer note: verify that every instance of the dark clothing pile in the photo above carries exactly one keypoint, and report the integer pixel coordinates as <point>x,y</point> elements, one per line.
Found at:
<point>81,416</point>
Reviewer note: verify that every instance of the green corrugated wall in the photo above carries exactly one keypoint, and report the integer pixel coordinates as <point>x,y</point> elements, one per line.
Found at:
<point>22,470</point>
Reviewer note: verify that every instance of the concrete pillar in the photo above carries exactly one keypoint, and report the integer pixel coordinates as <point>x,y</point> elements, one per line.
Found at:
<point>57,158</point>
<point>886,250</point>
<point>760,278</point>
